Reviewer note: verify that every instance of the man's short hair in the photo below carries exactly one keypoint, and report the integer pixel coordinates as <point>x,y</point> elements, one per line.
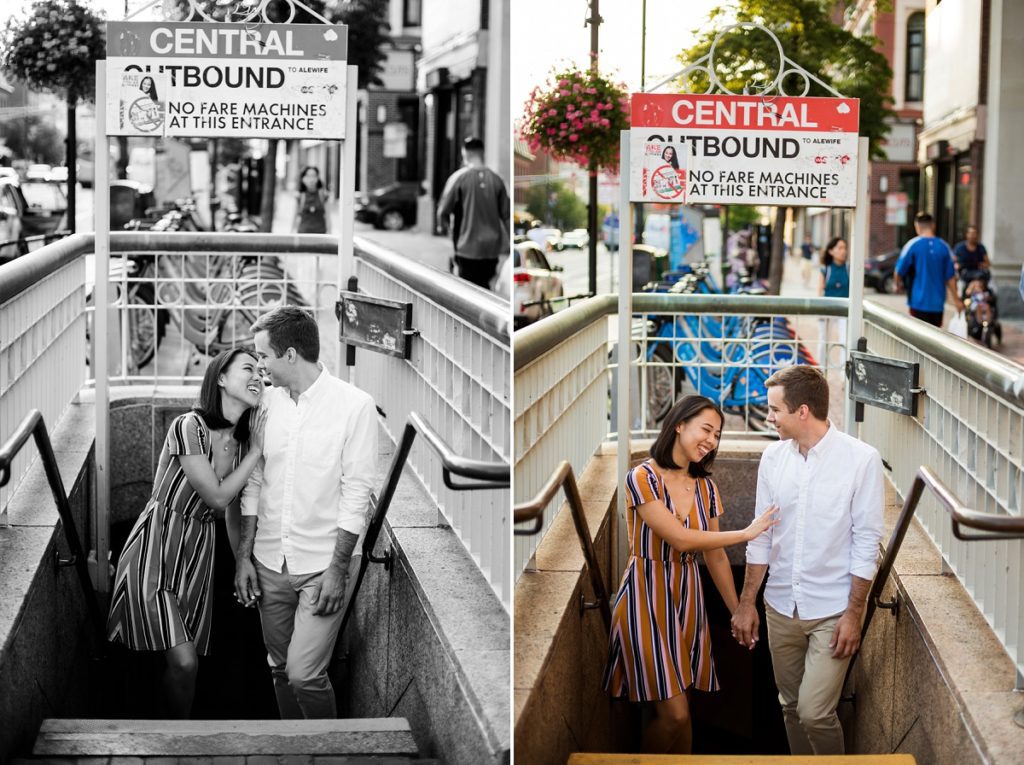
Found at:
<point>924,219</point>
<point>290,327</point>
<point>800,385</point>
<point>969,227</point>
<point>473,144</point>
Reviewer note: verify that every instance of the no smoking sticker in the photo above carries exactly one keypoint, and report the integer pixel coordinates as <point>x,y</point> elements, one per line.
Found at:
<point>660,176</point>
<point>669,184</point>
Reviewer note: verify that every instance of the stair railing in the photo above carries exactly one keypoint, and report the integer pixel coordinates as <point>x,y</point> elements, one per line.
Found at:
<point>533,512</point>
<point>484,475</point>
<point>993,526</point>
<point>33,426</point>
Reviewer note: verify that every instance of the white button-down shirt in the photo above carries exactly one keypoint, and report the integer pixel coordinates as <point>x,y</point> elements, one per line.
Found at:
<point>318,468</point>
<point>830,522</point>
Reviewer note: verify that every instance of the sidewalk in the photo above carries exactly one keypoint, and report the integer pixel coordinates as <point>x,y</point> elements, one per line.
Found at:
<point>422,247</point>
<point>793,286</point>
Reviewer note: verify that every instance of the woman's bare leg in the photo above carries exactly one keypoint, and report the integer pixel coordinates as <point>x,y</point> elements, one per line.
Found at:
<point>179,683</point>
<point>671,731</point>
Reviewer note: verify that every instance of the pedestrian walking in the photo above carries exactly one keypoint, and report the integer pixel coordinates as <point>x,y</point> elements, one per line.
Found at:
<point>660,643</point>
<point>311,212</point>
<point>925,267</point>
<point>835,282</point>
<point>806,258</point>
<point>474,206</point>
<point>820,558</point>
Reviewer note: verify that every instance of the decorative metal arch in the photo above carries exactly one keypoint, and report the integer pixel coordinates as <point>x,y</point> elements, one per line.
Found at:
<point>787,67</point>
<point>241,11</point>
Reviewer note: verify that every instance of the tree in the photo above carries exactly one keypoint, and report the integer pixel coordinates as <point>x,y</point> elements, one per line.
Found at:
<point>54,48</point>
<point>368,36</point>
<point>554,202</point>
<point>32,138</point>
<point>747,59</point>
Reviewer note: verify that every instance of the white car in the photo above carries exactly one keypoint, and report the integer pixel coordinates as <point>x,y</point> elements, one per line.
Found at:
<point>548,238</point>
<point>535,283</point>
<point>38,172</point>
<point>578,238</point>
<point>59,174</point>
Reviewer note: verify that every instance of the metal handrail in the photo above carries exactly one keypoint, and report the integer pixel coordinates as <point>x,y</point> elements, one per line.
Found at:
<point>33,426</point>
<point>488,475</point>
<point>997,527</point>
<point>564,478</point>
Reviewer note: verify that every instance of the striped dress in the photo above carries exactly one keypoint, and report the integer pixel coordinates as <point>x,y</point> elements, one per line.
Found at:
<point>660,643</point>
<point>162,594</point>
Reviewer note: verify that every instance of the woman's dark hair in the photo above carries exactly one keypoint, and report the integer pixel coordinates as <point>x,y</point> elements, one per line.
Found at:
<point>675,157</point>
<point>685,410</point>
<point>209,406</point>
<point>826,258</point>
<point>319,180</point>
<point>151,90</point>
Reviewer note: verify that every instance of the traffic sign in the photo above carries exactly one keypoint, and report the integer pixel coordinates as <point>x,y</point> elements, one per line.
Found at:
<point>255,80</point>
<point>720,149</point>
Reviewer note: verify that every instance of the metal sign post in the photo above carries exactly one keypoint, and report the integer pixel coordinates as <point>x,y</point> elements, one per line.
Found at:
<point>252,79</point>
<point>622,376</point>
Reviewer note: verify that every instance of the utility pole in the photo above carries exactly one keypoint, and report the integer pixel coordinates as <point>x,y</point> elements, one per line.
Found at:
<point>594,20</point>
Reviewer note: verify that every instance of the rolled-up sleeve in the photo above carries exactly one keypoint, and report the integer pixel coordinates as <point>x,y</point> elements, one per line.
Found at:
<point>866,517</point>
<point>358,468</point>
<point>251,491</point>
<point>760,547</point>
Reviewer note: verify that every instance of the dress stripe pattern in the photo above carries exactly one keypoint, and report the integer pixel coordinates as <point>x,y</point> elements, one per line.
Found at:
<point>660,643</point>
<point>162,594</point>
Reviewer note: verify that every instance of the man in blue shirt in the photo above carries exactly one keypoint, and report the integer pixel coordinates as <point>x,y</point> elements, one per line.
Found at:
<point>971,254</point>
<point>926,267</point>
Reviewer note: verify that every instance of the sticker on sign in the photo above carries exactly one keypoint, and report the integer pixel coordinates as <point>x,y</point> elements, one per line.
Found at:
<point>747,149</point>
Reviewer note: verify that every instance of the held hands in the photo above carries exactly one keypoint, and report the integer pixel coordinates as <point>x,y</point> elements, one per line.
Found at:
<point>247,585</point>
<point>762,523</point>
<point>846,636</point>
<point>330,591</point>
<point>745,625</point>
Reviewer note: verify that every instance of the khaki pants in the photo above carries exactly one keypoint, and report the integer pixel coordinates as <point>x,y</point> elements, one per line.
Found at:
<point>809,681</point>
<point>299,644</point>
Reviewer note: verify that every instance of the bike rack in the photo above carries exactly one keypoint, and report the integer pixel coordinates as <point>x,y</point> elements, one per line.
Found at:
<point>995,527</point>
<point>34,426</point>
<point>533,511</point>
<point>487,475</point>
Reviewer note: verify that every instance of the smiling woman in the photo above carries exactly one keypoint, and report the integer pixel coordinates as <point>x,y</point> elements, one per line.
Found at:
<point>161,599</point>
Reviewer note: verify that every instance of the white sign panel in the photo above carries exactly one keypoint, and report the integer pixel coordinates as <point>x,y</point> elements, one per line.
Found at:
<point>396,136</point>
<point>701,149</point>
<point>220,80</point>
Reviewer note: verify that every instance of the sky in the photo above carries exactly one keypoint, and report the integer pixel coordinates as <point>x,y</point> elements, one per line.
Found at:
<point>546,33</point>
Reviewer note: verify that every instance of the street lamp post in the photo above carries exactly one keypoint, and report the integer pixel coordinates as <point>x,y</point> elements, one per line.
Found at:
<point>594,20</point>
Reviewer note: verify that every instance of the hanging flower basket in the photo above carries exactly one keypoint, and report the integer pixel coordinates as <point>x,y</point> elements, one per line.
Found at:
<point>576,117</point>
<point>54,48</point>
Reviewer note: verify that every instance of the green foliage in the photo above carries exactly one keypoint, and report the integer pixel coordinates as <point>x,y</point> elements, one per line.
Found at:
<point>556,204</point>
<point>748,59</point>
<point>741,216</point>
<point>54,48</point>
<point>32,138</point>
<point>368,36</point>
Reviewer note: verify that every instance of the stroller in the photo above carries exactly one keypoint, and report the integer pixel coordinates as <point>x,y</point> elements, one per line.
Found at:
<point>981,307</point>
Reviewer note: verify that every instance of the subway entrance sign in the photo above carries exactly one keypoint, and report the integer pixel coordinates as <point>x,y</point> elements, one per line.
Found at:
<point>252,80</point>
<point>752,150</point>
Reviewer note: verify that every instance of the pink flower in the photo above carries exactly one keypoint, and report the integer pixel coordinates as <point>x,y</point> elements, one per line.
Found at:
<point>605,122</point>
<point>551,131</point>
<point>563,92</point>
<point>562,83</point>
<point>573,137</point>
<point>552,112</point>
<point>564,125</point>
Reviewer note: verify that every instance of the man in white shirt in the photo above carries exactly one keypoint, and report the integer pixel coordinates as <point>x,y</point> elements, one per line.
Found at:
<point>303,509</point>
<point>821,556</point>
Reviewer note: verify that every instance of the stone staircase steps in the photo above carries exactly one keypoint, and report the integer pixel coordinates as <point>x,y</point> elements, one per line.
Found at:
<point>381,741</point>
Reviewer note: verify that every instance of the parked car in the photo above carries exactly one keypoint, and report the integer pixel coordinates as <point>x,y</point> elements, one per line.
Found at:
<point>548,238</point>
<point>523,222</point>
<point>578,238</point>
<point>391,207</point>
<point>59,174</point>
<point>38,172</point>
<point>8,172</point>
<point>879,270</point>
<point>46,207</point>
<point>533,279</point>
<point>12,209</point>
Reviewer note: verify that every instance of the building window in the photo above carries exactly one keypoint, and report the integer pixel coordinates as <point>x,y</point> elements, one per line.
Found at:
<point>412,15</point>
<point>915,57</point>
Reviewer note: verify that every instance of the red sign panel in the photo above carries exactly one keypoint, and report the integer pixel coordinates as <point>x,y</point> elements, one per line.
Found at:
<point>784,113</point>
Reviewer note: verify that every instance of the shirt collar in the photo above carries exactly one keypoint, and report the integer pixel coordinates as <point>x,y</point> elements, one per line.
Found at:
<point>317,386</point>
<point>820,448</point>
